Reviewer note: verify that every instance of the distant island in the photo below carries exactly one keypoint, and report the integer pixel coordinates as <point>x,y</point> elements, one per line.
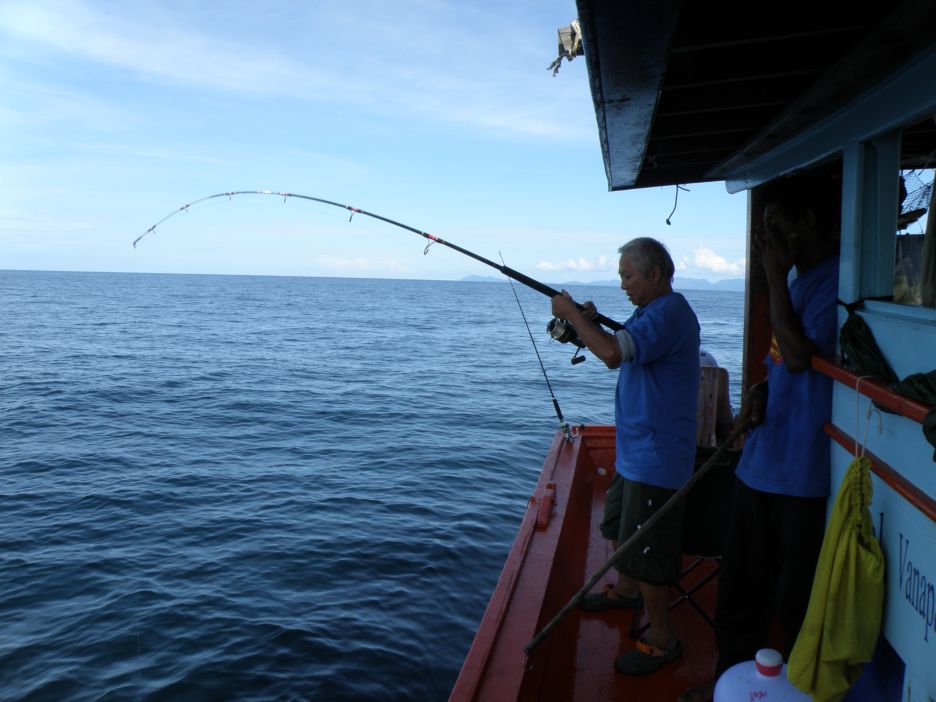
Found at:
<point>679,283</point>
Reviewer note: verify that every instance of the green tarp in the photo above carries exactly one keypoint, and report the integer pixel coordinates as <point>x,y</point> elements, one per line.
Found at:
<point>922,388</point>
<point>862,356</point>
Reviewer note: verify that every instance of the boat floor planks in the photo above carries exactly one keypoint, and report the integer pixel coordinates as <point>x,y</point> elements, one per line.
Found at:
<point>546,567</point>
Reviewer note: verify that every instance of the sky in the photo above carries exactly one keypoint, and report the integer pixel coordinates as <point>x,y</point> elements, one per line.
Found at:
<point>441,115</point>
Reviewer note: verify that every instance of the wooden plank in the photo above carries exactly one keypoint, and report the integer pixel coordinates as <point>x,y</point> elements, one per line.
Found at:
<point>626,48</point>
<point>869,387</point>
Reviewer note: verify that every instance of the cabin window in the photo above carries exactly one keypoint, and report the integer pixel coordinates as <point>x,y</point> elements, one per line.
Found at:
<point>915,259</point>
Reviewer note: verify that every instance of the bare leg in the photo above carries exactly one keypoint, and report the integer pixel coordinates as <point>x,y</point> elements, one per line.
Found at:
<point>627,586</point>
<point>656,600</point>
<point>659,634</point>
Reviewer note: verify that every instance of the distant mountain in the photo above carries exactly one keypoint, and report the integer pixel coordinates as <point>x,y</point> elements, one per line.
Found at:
<point>503,279</point>
<point>483,279</point>
<point>732,284</point>
<point>680,283</point>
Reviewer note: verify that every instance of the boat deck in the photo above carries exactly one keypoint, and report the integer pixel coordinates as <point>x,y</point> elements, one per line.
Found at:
<point>557,549</point>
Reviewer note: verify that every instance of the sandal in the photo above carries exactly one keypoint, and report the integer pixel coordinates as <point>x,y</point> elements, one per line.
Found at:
<point>609,598</point>
<point>646,658</point>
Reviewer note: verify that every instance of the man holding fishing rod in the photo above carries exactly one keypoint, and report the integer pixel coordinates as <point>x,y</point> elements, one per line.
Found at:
<point>657,353</point>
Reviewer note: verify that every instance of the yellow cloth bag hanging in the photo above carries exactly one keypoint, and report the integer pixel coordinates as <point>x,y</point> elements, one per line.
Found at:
<point>843,619</point>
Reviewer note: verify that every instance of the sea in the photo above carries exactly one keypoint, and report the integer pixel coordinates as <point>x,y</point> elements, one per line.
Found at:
<point>273,488</point>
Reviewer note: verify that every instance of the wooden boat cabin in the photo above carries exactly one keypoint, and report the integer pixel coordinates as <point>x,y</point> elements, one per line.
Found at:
<point>744,93</point>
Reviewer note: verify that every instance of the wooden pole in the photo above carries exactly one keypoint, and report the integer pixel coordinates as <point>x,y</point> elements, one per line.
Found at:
<point>623,548</point>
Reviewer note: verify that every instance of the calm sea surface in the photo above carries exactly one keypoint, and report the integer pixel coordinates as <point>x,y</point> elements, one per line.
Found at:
<point>251,488</point>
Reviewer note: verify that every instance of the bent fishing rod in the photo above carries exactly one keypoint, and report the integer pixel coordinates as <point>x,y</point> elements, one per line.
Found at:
<point>559,330</point>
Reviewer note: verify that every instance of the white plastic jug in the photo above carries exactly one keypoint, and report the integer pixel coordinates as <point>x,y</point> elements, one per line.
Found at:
<point>763,679</point>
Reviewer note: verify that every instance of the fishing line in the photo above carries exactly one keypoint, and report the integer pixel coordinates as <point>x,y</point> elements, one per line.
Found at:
<point>432,239</point>
<point>563,424</point>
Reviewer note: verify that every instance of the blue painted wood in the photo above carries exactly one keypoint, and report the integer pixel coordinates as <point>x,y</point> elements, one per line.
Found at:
<point>870,173</point>
<point>626,47</point>
<point>882,678</point>
<point>853,183</point>
<point>907,338</point>
<point>892,104</point>
<point>879,219</point>
<point>908,537</point>
<point>896,440</point>
<point>908,540</point>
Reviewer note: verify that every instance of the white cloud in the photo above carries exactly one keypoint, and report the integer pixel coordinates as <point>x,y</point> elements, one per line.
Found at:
<point>707,260</point>
<point>154,46</point>
<point>394,74</point>
<point>579,265</point>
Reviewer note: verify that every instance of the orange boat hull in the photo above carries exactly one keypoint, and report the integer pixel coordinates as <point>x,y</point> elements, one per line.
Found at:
<point>556,550</point>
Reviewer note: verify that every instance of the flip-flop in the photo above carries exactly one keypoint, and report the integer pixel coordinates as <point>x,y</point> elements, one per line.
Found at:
<point>607,599</point>
<point>646,658</point>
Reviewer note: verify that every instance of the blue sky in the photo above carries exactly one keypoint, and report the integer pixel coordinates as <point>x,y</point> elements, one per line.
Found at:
<point>439,114</point>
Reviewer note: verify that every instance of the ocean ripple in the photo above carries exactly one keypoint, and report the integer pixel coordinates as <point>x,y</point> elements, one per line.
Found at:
<point>237,488</point>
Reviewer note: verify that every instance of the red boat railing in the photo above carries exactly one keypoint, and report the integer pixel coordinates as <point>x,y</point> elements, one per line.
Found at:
<point>903,487</point>
<point>891,400</point>
<point>872,388</point>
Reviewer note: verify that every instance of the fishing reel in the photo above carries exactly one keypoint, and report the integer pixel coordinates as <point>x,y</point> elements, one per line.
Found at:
<point>563,332</point>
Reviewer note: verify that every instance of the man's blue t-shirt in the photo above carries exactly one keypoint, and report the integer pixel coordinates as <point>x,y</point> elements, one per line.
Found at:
<point>657,393</point>
<point>789,453</point>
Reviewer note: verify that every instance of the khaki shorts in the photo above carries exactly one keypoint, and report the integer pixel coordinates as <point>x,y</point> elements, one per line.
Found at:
<point>656,558</point>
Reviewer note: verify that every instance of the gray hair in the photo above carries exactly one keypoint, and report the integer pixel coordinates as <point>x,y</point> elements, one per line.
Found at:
<point>645,253</point>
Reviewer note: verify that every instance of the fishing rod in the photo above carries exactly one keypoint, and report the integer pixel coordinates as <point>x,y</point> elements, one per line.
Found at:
<point>558,329</point>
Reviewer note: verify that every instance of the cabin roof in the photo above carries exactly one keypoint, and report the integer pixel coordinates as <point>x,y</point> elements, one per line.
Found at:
<point>687,92</point>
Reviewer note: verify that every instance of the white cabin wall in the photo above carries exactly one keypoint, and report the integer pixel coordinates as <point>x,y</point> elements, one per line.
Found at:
<point>907,338</point>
